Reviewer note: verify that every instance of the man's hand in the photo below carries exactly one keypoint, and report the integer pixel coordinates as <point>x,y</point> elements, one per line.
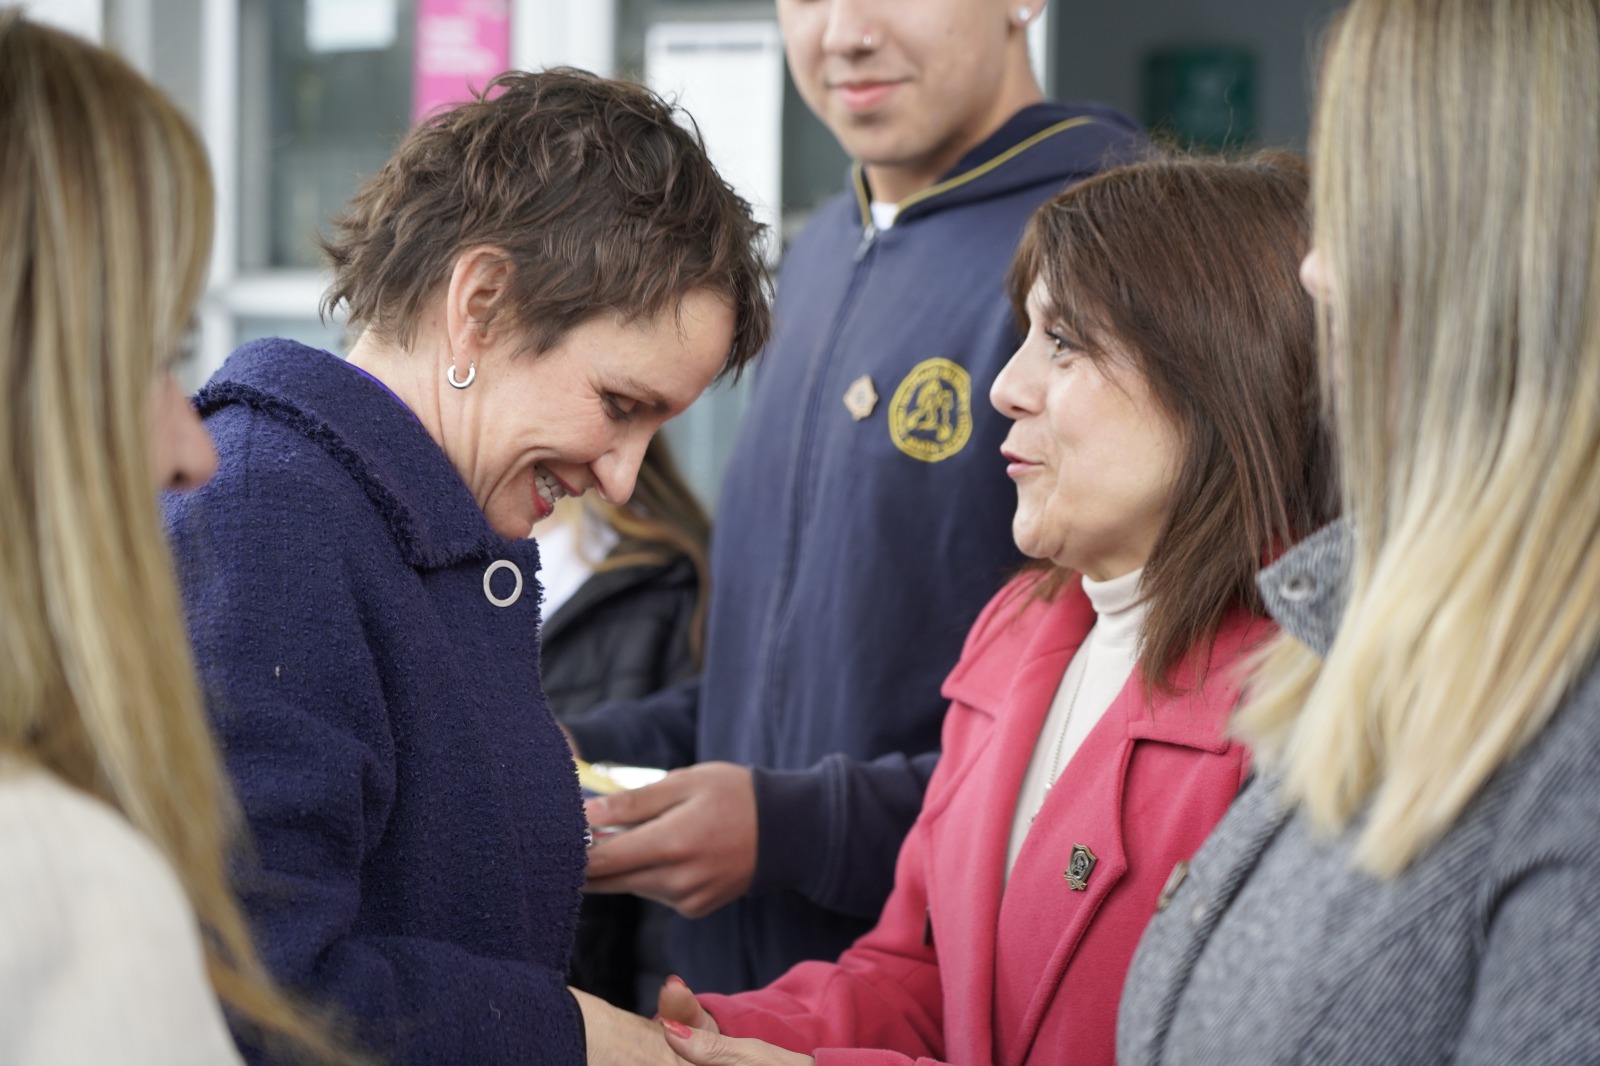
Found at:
<point>692,844</point>
<point>617,1038</point>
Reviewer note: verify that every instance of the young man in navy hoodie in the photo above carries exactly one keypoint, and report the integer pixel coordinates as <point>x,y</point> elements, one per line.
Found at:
<point>866,515</point>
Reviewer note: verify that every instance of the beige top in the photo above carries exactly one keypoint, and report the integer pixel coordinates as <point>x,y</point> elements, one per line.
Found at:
<point>100,956</point>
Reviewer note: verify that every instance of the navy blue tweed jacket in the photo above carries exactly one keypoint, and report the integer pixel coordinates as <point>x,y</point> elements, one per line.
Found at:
<point>369,650</point>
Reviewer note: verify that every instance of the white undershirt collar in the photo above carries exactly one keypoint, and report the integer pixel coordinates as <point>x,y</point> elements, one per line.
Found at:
<point>1094,676</point>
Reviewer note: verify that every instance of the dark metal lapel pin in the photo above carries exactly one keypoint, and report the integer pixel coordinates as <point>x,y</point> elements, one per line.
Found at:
<point>1079,867</point>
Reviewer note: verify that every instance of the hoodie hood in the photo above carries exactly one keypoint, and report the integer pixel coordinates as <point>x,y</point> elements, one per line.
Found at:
<point>1027,150</point>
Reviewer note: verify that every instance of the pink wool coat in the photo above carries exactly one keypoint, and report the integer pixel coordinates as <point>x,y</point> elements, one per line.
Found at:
<point>967,969</point>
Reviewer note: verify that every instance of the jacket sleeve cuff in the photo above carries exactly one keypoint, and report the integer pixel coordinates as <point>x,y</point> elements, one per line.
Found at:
<point>793,828</point>
<point>658,730</point>
<point>600,740</point>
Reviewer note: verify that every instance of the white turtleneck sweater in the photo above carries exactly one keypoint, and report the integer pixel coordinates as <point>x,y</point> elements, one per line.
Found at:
<point>1093,679</point>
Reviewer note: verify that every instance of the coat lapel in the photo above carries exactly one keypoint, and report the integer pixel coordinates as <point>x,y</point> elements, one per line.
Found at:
<point>1043,916</point>
<point>974,837</point>
<point>1041,933</point>
<point>1171,945</point>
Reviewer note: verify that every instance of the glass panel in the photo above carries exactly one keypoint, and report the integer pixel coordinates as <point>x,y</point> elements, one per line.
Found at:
<point>325,94</point>
<point>702,437</point>
<point>813,169</point>
<point>329,337</point>
<point>814,166</point>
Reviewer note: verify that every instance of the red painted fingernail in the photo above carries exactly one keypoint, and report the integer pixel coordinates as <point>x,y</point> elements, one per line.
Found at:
<point>677,1029</point>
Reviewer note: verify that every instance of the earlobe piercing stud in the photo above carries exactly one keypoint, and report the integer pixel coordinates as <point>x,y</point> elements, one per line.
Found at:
<point>1024,13</point>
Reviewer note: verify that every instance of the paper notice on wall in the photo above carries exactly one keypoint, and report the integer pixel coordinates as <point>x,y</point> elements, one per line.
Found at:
<point>729,77</point>
<point>461,44</point>
<point>350,25</point>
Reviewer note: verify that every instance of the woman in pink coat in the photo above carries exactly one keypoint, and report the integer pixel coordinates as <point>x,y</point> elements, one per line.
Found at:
<point>1167,440</point>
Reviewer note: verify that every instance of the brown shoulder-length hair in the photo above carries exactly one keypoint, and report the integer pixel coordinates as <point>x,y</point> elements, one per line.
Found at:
<point>1187,270</point>
<point>601,200</point>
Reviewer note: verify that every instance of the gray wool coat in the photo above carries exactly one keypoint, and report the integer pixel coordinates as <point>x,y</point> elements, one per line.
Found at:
<point>1272,948</point>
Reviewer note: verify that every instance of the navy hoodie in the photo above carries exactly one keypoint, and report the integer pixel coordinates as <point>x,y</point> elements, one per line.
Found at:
<point>856,540</point>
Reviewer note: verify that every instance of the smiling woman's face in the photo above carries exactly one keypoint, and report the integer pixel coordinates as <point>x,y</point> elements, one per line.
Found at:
<point>1092,453</point>
<point>534,428</point>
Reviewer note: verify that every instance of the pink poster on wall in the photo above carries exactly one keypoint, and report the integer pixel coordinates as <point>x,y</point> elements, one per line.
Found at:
<point>461,44</point>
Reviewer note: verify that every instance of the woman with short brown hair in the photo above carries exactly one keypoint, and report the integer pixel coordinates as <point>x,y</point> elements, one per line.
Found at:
<point>539,279</point>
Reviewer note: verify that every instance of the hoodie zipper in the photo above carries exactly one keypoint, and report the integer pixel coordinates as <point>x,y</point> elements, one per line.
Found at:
<point>868,235</point>
<point>775,681</point>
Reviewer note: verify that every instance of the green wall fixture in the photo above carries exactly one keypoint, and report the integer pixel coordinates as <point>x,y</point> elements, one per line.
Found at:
<point>1202,96</point>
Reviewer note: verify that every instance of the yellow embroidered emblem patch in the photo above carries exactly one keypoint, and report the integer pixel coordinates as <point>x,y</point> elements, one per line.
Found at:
<point>930,417</point>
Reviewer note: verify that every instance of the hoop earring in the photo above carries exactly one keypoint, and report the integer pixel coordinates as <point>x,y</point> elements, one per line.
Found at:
<point>450,376</point>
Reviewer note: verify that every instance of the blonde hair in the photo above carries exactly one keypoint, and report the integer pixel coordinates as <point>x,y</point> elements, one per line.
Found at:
<point>1457,159</point>
<point>105,230</point>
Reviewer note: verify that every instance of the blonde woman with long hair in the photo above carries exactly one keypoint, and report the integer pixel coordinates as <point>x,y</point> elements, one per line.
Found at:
<point>1415,877</point>
<point>118,933</point>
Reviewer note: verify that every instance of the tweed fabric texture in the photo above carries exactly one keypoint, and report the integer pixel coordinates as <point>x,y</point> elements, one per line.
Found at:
<point>412,804</point>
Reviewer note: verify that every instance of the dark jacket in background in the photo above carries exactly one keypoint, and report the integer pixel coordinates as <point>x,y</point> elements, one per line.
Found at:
<point>412,804</point>
<point>623,635</point>
<point>851,555</point>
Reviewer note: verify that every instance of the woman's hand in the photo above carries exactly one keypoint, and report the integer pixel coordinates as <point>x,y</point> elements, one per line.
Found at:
<point>706,1048</point>
<point>677,1003</point>
<point>617,1038</point>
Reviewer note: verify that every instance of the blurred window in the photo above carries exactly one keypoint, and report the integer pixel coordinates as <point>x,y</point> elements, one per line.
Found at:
<point>324,96</point>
